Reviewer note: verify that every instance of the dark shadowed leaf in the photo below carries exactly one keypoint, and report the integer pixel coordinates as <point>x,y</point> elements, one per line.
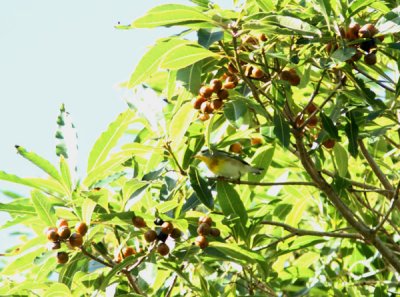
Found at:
<point>281,129</point>
<point>200,187</point>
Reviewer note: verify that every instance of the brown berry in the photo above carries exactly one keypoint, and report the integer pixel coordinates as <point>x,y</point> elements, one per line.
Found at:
<point>201,242</point>
<point>223,94</point>
<point>81,228</point>
<point>299,121</point>
<point>216,104</point>
<point>294,80</point>
<point>62,257</point>
<point>176,233</point>
<point>76,240</point>
<point>330,143</point>
<point>64,232</point>
<point>128,251</point>
<point>53,245</point>
<point>62,223</point>
<point>313,121</point>
<point>52,235</point>
<point>231,78</point>
<point>215,232</point>
<point>357,56</point>
<point>196,102</point>
<point>203,229</point>
<point>367,31</point>
<point>163,249</point>
<point>206,107</point>
<point>150,235</point>
<point>311,108</point>
<point>257,73</point>
<point>381,38</point>
<point>167,227</point>
<point>285,75</point>
<point>205,219</point>
<point>352,31</point>
<point>47,229</point>
<point>370,59</point>
<point>138,222</point>
<point>206,92</point>
<point>229,85</point>
<point>232,69</point>
<point>204,117</point>
<point>235,148</point>
<point>216,85</point>
<point>255,141</point>
<point>262,37</point>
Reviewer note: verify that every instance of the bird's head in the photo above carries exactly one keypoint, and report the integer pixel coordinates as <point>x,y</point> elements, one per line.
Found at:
<point>204,155</point>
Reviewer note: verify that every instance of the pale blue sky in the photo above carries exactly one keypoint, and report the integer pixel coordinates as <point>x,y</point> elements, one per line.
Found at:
<point>55,52</point>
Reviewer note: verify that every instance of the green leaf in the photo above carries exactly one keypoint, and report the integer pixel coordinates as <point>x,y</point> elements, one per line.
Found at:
<point>351,130</point>
<point>296,213</point>
<point>171,15</point>
<point>281,129</point>
<point>22,263</point>
<point>185,55</point>
<point>109,139</point>
<point>262,158</point>
<point>341,159</point>
<point>117,268</point>
<point>329,126</point>
<point>266,5</point>
<point>206,37</point>
<point>236,252</point>
<point>201,189</point>
<point>344,54</point>
<point>18,207</point>
<point>190,76</point>
<point>326,10</point>
<point>40,162</point>
<point>231,205</point>
<point>44,208</point>
<point>235,112</point>
<point>58,290</point>
<point>65,173</point>
<point>358,5</point>
<point>179,125</point>
<point>390,22</point>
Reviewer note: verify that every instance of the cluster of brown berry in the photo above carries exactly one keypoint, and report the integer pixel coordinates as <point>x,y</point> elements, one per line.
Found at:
<point>291,76</point>
<point>366,47</point>
<point>165,229</point>
<point>62,233</point>
<point>207,102</point>
<point>204,229</point>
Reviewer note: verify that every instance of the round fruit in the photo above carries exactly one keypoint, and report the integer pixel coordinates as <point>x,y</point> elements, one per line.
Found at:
<point>47,229</point>
<point>205,219</point>
<point>64,232</point>
<point>53,245</point>
<point>205,107</point>
<point>367,31</point>
<point>229,85</point>
<point>215,232</point>
<point>75,240</point>
<point>128,251</point>
<point>206,92</point>
<point>223,94</point>
<point>62,257</point>
<point>62,223</point>
<point>150,235</point>
<point>285,75</point>
<point>255,140</point>
<point>204,117</point>
<point>352,32</point>
<point>216,85</point>
<point>231,78</point>
<point>203,229</point>
<point>294,80</point>
<point>313,122</point>
<point>138,222</point>
<point>176,233</point>
<point>167,227</point>
<point>370,59</point>
<point>311,108</point>
<point>158,221</point>
<point>162,236</point>
<point>262,37</point>
<point>163,249</point>
<point>232,69</point>
<point>196,102</point>
<point>81,228</point>
<point>235,148</point>
<point>330,143</point>
<point>201,242</point>
<point>52,235</point>
<point>257,73</point>
<point>357,56</point>
<point>368,45</point>
<point>216,104</point>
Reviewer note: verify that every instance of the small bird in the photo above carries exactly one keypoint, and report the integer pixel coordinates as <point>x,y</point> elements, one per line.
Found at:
<point>224,164</point>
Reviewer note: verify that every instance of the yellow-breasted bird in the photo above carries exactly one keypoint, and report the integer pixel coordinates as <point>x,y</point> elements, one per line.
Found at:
<point>226,165</point>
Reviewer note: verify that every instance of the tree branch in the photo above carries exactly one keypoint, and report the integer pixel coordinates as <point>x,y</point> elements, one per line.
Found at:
<point>373,79</point>
<point>267,184</point>
<point>391,207</point>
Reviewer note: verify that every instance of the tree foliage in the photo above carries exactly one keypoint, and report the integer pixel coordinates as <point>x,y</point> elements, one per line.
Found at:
<point>306,90</point>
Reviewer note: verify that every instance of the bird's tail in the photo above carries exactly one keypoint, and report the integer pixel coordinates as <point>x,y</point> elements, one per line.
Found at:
<point>255,170</point>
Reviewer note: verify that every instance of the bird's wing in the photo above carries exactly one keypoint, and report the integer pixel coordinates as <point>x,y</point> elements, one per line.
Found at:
<point>228,155</point>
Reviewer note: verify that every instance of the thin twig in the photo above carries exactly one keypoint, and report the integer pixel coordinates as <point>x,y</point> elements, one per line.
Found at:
<point>171,287</point>
<point>133,283</point>
<point>168,148</point>
<point>391,207</point>
<point>241,182</point>
<point>264,247</point>
<point>302,232</point>
<point>93,257</point>
<point>373,79</point>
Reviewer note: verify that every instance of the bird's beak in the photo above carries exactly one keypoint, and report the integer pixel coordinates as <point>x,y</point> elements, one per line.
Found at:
<point>198,156</point>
